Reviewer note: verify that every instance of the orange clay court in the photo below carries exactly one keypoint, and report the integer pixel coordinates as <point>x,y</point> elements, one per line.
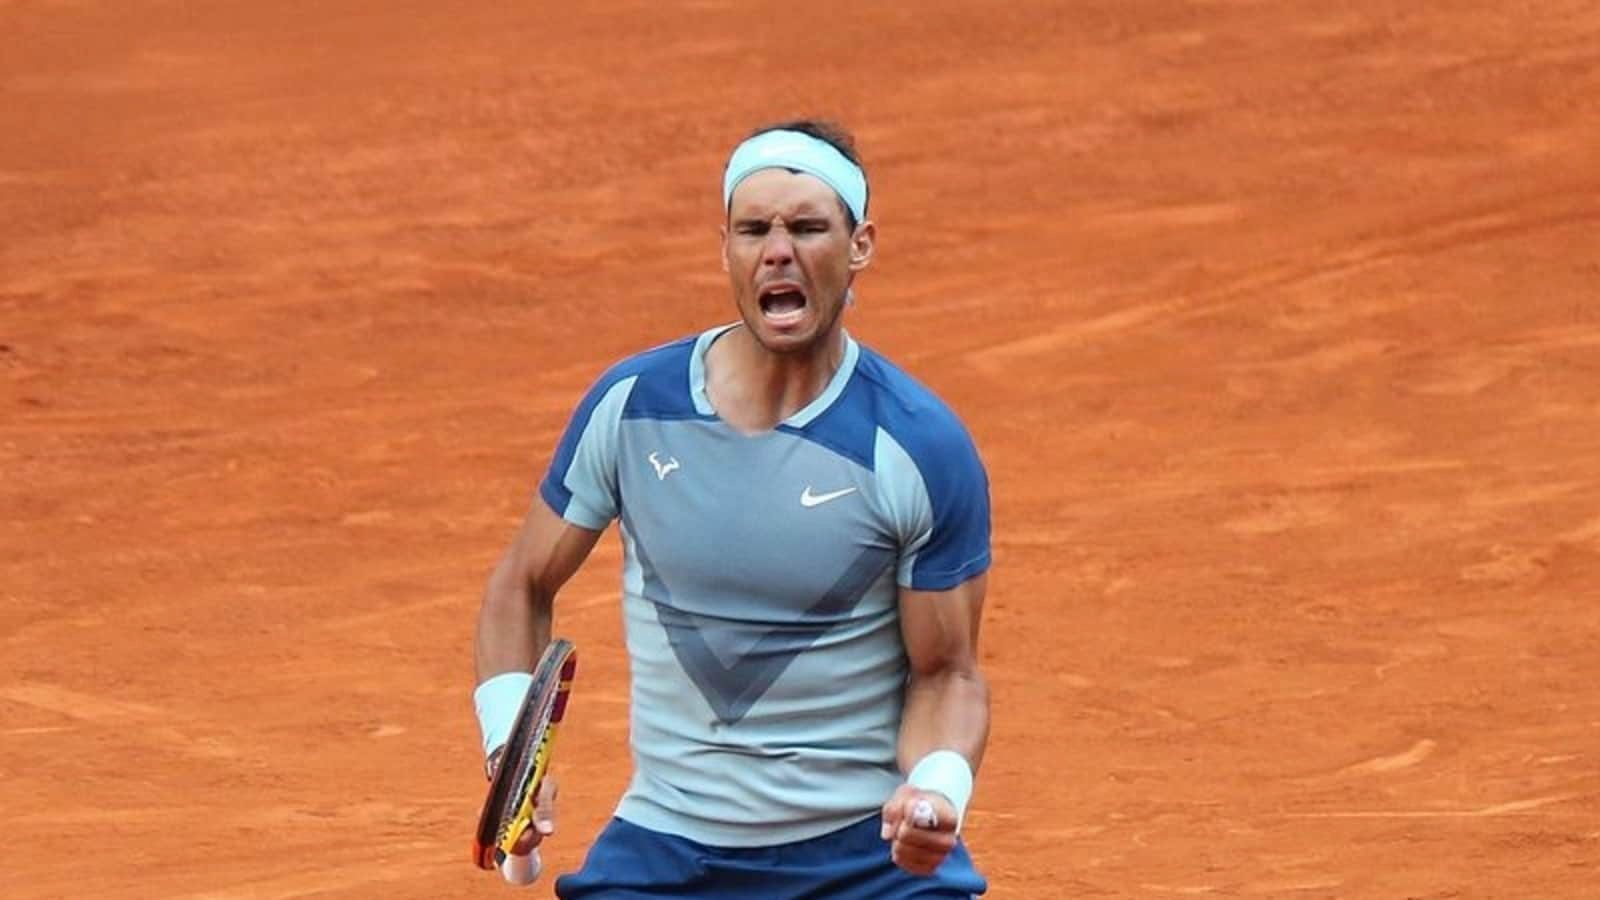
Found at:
<point>1277,324</point>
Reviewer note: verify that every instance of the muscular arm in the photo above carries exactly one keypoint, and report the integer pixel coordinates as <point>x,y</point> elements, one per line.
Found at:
<point>947,698</point>
<point>514,621</point>
<point>514,628</point>
<point>946,708</point>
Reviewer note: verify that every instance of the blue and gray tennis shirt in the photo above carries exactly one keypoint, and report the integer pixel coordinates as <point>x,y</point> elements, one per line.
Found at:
<point>759,583</point>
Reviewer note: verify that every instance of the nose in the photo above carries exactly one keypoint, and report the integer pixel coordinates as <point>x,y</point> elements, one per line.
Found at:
<point>778,250</point>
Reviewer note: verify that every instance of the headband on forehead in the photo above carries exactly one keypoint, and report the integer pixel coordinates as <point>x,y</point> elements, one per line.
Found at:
<point>803,153</point>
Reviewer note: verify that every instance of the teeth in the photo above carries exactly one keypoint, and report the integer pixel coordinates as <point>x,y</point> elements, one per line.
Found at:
<point>783,302</point>
<point>784,318</point>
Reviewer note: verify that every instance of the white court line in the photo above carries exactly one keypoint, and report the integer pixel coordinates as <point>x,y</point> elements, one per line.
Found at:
<point>1499,809</point>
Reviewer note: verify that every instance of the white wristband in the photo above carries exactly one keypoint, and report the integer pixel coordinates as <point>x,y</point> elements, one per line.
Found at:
<point>498,701</point>
<point>945,772</point>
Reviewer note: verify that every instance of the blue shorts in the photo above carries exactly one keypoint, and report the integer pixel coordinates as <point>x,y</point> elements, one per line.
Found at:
<point>627,862</point>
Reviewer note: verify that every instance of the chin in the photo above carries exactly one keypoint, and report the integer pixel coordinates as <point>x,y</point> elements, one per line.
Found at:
<point>785,343</point>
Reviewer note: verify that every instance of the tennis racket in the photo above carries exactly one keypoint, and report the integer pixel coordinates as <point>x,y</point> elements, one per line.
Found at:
<point>514,790</point>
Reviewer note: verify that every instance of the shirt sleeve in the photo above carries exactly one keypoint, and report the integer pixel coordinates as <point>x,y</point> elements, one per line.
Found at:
<point>937,494</point>
<point>581,484</point>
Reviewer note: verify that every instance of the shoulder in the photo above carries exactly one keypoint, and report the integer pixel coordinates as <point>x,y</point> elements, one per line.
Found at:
<point>887,417</point>
<point>655,363</point>
<point>658,380</point>
<point>910,413</point>
<point>931,480</point>
<point>581,483</point>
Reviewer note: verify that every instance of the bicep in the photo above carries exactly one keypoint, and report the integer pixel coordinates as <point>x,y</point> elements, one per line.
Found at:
<point>514,621</point>
<point>940,628</point>
<point>547,550</point>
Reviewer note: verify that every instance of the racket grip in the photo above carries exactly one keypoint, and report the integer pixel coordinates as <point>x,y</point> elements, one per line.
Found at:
<point>521,870</point>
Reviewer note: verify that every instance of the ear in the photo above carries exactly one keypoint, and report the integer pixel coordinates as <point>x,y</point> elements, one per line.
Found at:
<point>723,231</point>
<point>862,245</point>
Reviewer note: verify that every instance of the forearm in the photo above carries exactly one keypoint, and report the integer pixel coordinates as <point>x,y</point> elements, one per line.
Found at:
<point>513,625</point>
<point>945,709</point>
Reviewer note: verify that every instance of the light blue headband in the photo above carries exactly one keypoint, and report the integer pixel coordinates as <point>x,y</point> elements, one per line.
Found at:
<point>803,153</point>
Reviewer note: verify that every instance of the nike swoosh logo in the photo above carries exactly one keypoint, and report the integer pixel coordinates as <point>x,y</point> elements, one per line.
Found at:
<point>808,499</point>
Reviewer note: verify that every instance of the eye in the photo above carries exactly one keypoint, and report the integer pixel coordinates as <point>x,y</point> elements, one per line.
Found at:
<point>752,228</point>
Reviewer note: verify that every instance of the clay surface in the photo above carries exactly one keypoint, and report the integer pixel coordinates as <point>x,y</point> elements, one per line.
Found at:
<point>1277,324</point>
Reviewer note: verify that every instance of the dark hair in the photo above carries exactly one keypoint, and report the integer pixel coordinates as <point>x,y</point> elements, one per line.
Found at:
<point>831,133</point>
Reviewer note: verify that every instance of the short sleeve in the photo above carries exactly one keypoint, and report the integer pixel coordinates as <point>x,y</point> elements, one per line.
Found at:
<point>581,484</point>
<point>936,490</point>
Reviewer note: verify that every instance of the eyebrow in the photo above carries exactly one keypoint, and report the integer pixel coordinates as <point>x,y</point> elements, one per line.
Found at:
<point>803,218</point>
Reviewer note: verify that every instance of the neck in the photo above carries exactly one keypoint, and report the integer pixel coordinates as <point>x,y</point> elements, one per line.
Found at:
<point>753,389</point>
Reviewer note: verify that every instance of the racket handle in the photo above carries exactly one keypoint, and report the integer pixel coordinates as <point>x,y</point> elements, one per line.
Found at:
<point>521,870</point>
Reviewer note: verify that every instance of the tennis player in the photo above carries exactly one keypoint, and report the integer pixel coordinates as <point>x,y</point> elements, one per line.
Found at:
<point>805,532</point>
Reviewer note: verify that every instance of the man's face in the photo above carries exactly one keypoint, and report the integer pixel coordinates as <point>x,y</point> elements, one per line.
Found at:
<point>791,255</point>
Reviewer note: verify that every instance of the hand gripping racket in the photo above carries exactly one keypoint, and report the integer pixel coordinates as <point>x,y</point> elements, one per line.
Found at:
<point>514,790</point>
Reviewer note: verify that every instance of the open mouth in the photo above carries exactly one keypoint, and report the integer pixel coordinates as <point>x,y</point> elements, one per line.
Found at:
<point>782,303</point>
